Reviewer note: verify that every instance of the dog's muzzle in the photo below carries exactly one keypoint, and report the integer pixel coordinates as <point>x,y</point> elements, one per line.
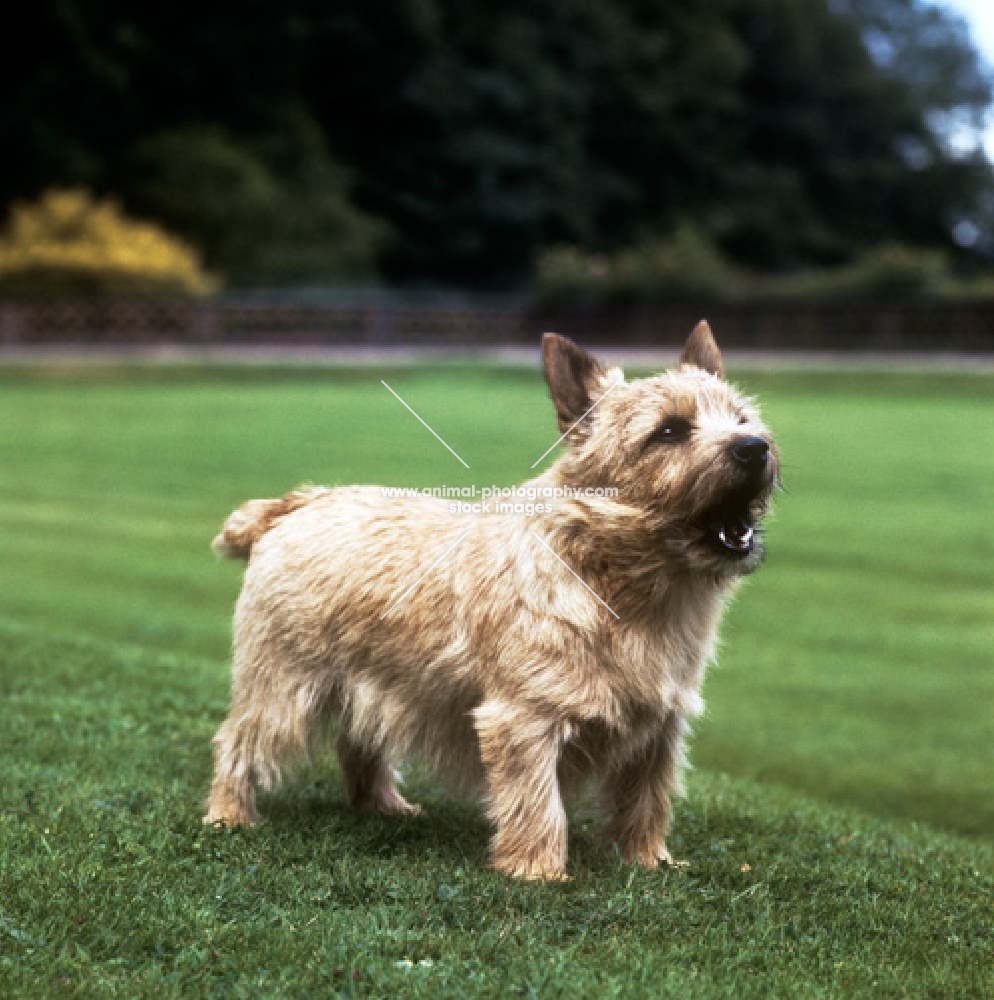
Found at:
<point>731,525</point>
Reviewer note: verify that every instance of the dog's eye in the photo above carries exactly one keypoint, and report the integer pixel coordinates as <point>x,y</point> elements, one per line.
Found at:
<point>743,419</point>
<point>673,431</point>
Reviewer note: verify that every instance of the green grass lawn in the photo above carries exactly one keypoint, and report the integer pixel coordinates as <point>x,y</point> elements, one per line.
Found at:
<point>854,692</point>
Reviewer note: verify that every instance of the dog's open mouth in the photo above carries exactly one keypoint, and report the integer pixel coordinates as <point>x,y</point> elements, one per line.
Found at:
<point>736,534</point>
<point>729,528</point>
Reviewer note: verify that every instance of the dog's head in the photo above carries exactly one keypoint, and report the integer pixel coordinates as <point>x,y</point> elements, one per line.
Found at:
<point>683,448</point>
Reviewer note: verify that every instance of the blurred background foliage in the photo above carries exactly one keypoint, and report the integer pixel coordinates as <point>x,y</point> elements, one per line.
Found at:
<point>277,210</point>
<point>688,268</point>
<point>658,148</point>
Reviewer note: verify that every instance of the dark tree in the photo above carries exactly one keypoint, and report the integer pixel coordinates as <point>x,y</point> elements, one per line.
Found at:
<point>452,141</point>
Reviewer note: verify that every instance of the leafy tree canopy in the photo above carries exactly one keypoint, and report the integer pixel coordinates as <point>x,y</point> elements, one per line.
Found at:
<point>451,142</point>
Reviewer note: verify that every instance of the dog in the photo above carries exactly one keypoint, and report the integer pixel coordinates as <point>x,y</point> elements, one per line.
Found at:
<point>521,657</point>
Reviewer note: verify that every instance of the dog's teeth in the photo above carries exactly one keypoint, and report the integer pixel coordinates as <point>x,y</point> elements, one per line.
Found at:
<point>731,538</point>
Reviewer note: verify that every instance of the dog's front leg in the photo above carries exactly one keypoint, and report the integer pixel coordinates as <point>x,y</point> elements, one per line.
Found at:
<point>640,791</point>
<point>520,753</point>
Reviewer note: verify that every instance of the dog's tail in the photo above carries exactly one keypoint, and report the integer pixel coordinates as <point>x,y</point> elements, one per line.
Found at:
<point>253,519</point>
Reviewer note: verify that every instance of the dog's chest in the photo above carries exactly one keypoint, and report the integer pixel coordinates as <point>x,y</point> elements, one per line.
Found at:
<point>658,668</point>
<point>653,677</point>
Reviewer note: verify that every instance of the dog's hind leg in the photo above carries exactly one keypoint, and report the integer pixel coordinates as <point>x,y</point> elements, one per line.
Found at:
<point>640,791</point>
<point>370,782</point>
<point>232,797</point>
<point>267,729</point>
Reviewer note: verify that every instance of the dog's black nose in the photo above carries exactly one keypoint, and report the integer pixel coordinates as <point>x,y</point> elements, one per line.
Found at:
<point>750,451</point>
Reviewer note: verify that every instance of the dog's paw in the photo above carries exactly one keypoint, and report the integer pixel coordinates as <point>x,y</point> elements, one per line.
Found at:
<point>667,859</point>
<point>230,813</point>
<point>228,822</point>
<point>650,858</point>
<point>532,869</point>
<point>390,802</point>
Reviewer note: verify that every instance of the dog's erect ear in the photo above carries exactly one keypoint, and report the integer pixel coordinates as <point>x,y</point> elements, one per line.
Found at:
<point>702,351</point>
<point>577,380</point>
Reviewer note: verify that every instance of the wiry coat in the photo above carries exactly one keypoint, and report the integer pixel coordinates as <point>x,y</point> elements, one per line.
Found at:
<point>515,654</point>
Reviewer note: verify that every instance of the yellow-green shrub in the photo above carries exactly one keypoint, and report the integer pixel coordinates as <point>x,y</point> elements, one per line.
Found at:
<point>69,243</point>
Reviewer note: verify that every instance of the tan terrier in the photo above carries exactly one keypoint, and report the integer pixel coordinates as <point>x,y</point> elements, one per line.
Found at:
<point>518,655</point>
